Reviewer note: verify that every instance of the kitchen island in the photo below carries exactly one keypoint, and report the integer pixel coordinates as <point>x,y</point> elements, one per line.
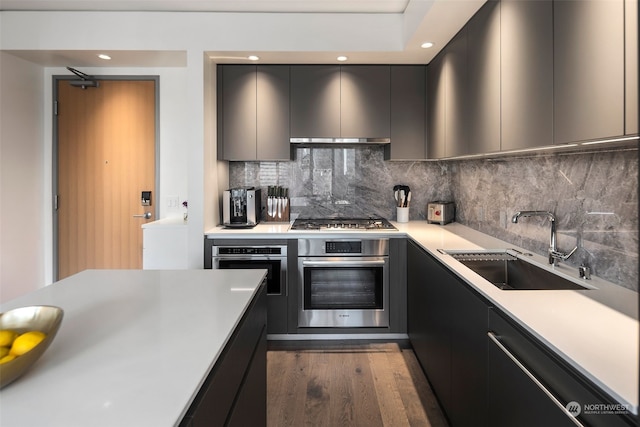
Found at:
<point>135,347</point>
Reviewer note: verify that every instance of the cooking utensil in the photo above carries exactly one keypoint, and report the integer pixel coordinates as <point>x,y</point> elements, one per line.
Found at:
<point>286,198</point>
<point>279,202</point>
<point>270,201</point>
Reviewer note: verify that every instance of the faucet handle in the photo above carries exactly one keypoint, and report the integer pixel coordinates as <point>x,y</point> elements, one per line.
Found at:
<point>585,272</point>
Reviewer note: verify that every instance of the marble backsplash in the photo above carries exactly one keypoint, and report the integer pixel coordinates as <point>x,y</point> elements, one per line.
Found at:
<point>593,195</point>
<point>347,181</point>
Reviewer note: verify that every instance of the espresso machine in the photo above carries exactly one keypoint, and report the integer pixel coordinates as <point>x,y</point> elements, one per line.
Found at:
<point>241,207</point>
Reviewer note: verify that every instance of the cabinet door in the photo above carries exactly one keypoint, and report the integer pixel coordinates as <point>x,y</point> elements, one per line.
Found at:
<point>515,399</point>
<point>315,101</point>
<point>273,112</point>
<point>429,320</point>
<point>417,302</point>
<point>588,69</point>
<point>483,80</point>
<point>469,325</point>
<point>526,71</point>
<point>250,407</point>
<point>365,101</point>
<point>237,111</point>
<point>436,108</point>
<point>456,93</point>
<point>408,113</point>
<point>631,66</point>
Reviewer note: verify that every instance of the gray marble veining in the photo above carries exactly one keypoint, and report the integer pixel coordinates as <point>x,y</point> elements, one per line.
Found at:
<point>593,195</point>
<point>347,182</point>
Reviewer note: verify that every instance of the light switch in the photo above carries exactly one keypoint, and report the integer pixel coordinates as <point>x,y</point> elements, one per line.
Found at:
<point>173,202</point>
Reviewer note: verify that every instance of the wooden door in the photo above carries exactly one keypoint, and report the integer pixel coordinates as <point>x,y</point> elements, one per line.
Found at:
<point>106,158</point>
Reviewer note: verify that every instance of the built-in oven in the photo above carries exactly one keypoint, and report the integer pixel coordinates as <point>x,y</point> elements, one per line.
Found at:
<point>343,282</point>
<point>273,258</point>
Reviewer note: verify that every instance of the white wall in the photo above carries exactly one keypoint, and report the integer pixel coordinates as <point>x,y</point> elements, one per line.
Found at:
<point>22,177</point>
<point>187,129</point>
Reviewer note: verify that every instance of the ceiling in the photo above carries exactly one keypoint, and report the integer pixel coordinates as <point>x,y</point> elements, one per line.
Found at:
<point>252,6</point>
<point>436,21</point>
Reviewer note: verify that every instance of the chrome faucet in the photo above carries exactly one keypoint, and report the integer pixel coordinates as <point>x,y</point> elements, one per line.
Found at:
<point>554,254</point>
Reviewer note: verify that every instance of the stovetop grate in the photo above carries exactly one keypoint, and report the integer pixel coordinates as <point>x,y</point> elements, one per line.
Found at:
<point>372,223</point>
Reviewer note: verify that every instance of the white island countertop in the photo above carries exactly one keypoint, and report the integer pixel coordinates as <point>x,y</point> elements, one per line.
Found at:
<point>596,331</point>
<point>133,349</point>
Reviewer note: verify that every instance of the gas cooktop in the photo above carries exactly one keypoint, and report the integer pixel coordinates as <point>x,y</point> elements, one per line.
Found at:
<point>338,224</point>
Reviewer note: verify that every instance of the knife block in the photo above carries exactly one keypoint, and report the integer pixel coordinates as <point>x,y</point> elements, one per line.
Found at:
<point>275,203</point>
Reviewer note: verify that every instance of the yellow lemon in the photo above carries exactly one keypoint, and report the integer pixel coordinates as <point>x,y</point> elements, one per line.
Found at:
<point>7,358</point>
<point>4,351</point>
<point>6,337</point>
<point>26,342</point>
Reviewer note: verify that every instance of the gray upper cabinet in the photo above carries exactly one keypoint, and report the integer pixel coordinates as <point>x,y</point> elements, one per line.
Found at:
<point>408,113</point>
<point>237,112</point>
<point>447,97</point>
<point>331,101</point>
<point>435,108</point>
<point>631,66</point>
<point>365,101</point>
<point>315,101</point>
<point>253,112</point>
<point>272,116</point>
<point>456,96</point>
<point>483,80</point>
<point>588,69</point>
<point>526,73</point>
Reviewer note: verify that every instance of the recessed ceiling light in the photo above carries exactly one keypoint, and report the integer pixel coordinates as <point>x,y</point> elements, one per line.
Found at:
<point>342,58</point>
<point>426,45</point>
<point>253,57</point>
<point>104,56</point>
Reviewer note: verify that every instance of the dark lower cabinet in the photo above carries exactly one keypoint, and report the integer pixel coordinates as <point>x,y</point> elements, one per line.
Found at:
<point>468,356</point>
<point>447,326</point>
<point>487,370</point>
<point>515,399</point>
<point>235,392</point>
<point>428,321</point>
<point>529,385</point>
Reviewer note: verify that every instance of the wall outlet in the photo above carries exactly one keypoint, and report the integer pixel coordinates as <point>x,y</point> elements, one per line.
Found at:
<point>503,219</point>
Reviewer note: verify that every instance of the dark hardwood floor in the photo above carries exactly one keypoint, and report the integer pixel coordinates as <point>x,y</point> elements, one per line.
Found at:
<point>348,383</point>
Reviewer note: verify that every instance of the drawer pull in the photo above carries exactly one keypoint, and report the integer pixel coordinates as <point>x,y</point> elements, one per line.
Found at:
<point>541,386</point>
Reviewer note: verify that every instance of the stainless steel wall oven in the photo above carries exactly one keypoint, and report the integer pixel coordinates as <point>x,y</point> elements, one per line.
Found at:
<point>273,258</point>
<point>343,282</point>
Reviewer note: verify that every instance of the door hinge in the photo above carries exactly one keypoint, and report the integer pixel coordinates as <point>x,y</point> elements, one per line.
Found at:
<point>55,202</point>
<point>55,108</point>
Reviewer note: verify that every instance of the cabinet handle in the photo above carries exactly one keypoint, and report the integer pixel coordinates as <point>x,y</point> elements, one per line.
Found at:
<point>359,263</point>
<point>528,373</point>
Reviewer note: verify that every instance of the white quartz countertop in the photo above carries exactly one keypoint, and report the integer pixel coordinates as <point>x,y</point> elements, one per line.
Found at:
<point>596,330</point>
<point>133,349</point>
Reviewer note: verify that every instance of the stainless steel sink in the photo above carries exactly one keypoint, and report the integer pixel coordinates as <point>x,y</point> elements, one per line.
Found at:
<point>507,271</point>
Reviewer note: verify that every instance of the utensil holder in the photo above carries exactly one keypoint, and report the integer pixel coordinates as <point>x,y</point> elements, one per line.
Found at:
<point>402,214</point>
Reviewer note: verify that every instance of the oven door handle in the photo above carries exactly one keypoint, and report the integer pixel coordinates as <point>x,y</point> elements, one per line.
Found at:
<point>354,263</point>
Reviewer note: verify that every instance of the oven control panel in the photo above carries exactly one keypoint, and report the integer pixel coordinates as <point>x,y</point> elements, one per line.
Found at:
<point>343,247</point>
<point>243,250</point>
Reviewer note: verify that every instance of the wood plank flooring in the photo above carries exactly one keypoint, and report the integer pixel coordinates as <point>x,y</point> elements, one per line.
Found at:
<point>348,383</point>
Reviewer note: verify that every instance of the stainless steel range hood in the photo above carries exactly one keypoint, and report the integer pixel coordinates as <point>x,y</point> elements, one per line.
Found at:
<point>338,142</point>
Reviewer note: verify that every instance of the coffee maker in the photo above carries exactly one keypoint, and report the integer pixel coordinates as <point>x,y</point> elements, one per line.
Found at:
<point>241,207</point>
